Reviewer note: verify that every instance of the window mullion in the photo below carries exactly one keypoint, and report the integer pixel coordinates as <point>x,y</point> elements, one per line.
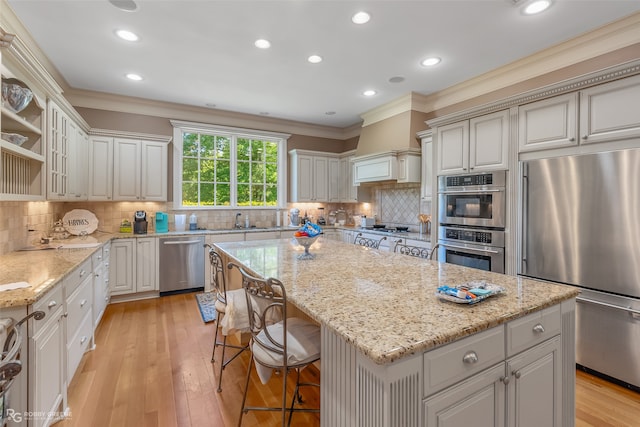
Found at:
<point>233,179</point>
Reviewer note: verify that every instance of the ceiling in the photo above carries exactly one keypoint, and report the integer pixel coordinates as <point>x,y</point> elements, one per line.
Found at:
<point>201,53</point>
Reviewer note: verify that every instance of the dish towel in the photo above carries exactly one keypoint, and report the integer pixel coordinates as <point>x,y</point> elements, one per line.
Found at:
<point>12,286</point>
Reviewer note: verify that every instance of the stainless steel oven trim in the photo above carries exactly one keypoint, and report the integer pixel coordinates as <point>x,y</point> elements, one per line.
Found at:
<point>473,248</point>
<point>495,253</point>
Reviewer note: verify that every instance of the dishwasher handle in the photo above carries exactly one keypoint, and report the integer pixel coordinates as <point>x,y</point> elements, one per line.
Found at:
<point>630,310</point>
<point>181,242</point>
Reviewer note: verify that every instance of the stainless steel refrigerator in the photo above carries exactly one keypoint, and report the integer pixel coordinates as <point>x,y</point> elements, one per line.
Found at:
<point>581,226</point>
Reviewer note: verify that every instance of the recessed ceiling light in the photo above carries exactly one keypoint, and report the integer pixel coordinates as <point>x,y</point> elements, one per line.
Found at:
<point>127,35</point>
<point>369,92</point>
<point>264,113</point>
<point>314,59</point>
<point>396,79</point>
<point>536,6</point>
<point>126,5</point>
<point>210,105</point>
<point>429,62</point>
<point>330,113</point>
<point>135,77</point>
<point>262,44</point>
<point>360,18</point>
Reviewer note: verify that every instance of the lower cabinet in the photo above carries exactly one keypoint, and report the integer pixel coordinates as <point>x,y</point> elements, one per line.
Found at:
<point>525,390</point>
<point>133,266</point>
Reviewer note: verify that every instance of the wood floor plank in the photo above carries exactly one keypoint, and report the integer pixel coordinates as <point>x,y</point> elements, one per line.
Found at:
<point>152,367</point>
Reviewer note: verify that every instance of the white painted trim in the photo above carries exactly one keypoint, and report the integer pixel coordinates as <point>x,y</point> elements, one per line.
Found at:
<point>228,130</point>
<point>408,102</point>
<point>133,135</point>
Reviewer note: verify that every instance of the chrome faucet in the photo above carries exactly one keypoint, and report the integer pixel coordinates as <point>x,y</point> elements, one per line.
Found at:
<point>237,224</point>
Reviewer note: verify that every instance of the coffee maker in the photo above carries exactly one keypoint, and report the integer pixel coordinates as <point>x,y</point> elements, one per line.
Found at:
<point>140,222</point>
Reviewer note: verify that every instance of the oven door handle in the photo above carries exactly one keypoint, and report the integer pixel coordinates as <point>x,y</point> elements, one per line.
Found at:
<point>489,190</point>
<point>447,245</point>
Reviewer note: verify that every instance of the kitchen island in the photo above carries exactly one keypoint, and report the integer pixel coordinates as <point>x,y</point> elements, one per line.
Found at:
<point>393,354</point>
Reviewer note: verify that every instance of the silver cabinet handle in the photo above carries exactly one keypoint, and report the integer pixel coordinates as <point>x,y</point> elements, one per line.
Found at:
<point>82,273</point>
<point>99,256</point>
<point>585,137</point>
<point>572,139</point>
<point>470,357</point>
<point>97,274</point>
<point>517,374</point>
<point>82,340</point>
<point>52,304</point>
<point>538,328</point>
<point>65,315</point>
<point>83,302</point>
<point>505,380</point>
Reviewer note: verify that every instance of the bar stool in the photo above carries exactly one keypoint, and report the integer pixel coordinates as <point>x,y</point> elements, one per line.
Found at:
<point>277,342</point>
<point>415,251</point>
<point>223,297</point>
<point>368,242</point>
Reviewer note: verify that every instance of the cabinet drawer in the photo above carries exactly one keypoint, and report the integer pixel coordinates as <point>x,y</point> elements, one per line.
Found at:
<point>78,305</point>
<point>533,329</point>
<point>49,303</point>
<point>97,258</point>
<point>454,362</point>
<point>77,276</point>
<point>78,345</point>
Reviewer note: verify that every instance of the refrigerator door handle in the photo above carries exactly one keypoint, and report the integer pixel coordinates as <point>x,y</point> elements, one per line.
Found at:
<point>634,313</point>
<point>525,214</point>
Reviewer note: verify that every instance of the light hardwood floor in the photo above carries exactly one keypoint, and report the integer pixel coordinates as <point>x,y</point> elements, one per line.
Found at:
<point>151,367</point>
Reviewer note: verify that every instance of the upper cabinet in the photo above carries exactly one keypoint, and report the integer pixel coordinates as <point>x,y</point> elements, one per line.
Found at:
<point>22,165</point>
<point>127,167</point>
<point>426,182</point>
<point>550,123</point>
<point>610,111</point>
<point>481,143</point>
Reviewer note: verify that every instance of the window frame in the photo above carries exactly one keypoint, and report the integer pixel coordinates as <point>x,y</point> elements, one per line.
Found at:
<point>234,133</point>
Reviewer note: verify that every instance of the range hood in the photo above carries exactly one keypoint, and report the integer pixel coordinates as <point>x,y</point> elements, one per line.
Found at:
<point>388,148</point>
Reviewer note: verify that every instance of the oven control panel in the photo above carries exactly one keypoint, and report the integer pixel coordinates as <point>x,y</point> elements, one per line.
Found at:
<point>468,180</point>
<point>468,235</point>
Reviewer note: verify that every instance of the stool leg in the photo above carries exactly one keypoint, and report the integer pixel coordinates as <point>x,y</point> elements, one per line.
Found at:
<point>246,388</point>
<point>224,346</point>
<point>215,337</point>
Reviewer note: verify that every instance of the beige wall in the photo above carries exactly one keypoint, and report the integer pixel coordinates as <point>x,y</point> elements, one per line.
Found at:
<point>395,133</point>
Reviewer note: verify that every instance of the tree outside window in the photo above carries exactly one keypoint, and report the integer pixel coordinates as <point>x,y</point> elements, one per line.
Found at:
<point>221,169</point>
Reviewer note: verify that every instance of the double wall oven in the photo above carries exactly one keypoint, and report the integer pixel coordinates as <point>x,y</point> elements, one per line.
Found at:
<point>472,216</point>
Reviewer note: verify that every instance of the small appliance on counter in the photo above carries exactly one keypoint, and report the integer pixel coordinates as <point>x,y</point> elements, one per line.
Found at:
<point>367,221</point>
<point>140,222</point>
<point>321,220</point>
<point>294,217</point>
<point>162,222</point>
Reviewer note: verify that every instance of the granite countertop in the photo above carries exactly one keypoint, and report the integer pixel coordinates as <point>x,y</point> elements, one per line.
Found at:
<point>384,303</point>
<point>43,269</point>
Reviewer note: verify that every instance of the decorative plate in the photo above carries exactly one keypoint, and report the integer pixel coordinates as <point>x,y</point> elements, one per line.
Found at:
<point>80,221</point>
<point>488,289</point>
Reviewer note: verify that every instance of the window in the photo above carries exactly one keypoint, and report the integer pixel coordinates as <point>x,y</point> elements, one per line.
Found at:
<point>221,167</point>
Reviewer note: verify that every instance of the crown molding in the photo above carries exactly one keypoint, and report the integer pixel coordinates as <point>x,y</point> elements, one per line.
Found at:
<point>133,135</point>
<point>132,105</point>
<point>571,85</point>
<point>408,102</point>
<point>603,40</point>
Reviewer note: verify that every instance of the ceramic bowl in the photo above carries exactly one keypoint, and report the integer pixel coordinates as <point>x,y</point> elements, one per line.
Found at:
<point>14,138</point>
<point>16,97</point>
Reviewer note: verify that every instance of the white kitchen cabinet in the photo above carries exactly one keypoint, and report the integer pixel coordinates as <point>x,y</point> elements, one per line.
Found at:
<point>549,123</point>
<point>77,185</point>
<point>100,262</point>
<point>426,180</point>
<point>535,386</point>
<point>140,170</point>
<point>333,179</point>
<point>609,112</point>
<point>146,264</point>
<point>332,234</point>
<point>47,388</point>
<point>79,323</point>
<point>347,235</point>
<point>478,144</point>
<point>309,177</point>
<point>100,168</point>
<point>347,191</point>
<point>477,401</point>
<point>133,266</point>
<point>398,165</point>
<point>58,153</point>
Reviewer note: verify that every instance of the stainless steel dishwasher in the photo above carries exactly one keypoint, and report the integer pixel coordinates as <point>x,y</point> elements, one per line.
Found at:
<point>181,264</point>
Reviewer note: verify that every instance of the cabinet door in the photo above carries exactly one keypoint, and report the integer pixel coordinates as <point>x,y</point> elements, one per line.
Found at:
<point>610,111</point>
<point>333,180</point>
<point>58,151</point>
<point>550,123</point>
<point>303,189</point>
<point>453,148</point>
<point>535,388</point>
<point>121,275</point>
<point>489,141</point>
<point>426,184</point>
<point>126,169</point>
<point>99,300</point>
<point>73,153</point>
<point>82,164</point>
<point>46,362</point>
<point>320,178</point>
<point>153,171</point>
<point>477,401</point>
<point>100,168</point>
<point>146,265</point>
<point>344,185</point>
